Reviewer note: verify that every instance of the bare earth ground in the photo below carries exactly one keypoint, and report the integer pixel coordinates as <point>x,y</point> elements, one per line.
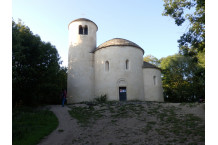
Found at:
<point>141,123</point>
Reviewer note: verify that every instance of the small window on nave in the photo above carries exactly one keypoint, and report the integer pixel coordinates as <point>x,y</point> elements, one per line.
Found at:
<point>106,66</point>
<point>155,80</point>
<point>127,64</point>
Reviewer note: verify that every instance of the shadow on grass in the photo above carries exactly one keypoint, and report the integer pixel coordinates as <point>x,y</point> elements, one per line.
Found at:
<point>30,125</point>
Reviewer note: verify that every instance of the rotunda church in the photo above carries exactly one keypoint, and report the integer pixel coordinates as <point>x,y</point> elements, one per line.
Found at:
<point>115,68</point>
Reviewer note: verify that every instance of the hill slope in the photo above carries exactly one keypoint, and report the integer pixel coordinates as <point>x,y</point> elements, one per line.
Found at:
<point>138,123</point>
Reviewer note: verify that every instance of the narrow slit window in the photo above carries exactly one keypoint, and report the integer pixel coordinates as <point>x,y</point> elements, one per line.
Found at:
<point>155,80</point>
<point>106,66</point>
<point>80,29</point>
<point>127,64</point>
<point>86,30</point>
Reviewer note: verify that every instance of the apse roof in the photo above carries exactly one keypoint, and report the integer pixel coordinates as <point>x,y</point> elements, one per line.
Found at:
<point>148,65</point>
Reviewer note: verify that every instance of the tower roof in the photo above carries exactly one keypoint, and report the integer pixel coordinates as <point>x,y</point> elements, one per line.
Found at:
<point>82,19</point>
<point>118,42</point>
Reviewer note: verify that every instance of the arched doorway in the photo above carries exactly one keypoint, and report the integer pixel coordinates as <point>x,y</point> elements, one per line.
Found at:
<point>122,90</point>
<point>122,94</point>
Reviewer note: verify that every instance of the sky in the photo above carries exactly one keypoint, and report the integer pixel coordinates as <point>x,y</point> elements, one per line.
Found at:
<point>139,21</point>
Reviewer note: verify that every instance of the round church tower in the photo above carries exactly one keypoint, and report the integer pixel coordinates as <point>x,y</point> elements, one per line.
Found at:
<point>82,43</point>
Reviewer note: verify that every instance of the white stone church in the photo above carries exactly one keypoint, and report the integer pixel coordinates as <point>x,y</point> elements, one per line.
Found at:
<point>114,68</point>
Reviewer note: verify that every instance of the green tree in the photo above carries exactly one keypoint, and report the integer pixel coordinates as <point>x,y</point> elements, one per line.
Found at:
<point>192,42</point>
<point>35,68</point>
<point>193,11</point>
<point>151,59</point>
<point>180,83</point>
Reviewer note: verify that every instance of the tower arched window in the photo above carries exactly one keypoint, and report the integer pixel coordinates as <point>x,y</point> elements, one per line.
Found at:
<point>127,64</point>
<point>106,66</point>
<point>86,30</point>
<point>80,30</point>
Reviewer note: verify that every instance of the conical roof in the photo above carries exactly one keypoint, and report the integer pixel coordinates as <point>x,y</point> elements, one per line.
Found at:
<point>82,19</point>
<point>118,42</point>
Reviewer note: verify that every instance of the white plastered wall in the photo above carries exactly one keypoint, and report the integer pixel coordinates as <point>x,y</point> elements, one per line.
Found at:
<point>80,83</point>
<point>108,82</point>
<point>153,86</point>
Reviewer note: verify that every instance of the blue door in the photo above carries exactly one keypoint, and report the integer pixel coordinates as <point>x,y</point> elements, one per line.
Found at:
<point>122,93</point>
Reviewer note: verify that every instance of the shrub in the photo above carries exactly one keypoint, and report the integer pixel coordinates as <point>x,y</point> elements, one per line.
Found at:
<point>101,99</point>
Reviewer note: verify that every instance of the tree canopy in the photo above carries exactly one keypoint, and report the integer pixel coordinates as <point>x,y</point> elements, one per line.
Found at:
<point>36,73</point>
<point>191,48</point>
<point>151,59</point>
<point>180,82</point>
<point>193,11</point>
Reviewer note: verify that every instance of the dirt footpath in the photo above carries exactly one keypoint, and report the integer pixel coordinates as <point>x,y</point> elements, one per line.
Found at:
<point>66,129</point>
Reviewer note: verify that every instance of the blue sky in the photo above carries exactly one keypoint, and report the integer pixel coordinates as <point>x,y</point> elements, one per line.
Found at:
<point>140,21</point>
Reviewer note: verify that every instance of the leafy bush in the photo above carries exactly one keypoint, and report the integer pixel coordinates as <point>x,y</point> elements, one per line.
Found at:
<point>101,99</point>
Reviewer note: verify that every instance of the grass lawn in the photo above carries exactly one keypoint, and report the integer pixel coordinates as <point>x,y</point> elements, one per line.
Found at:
<point>30,125</point>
